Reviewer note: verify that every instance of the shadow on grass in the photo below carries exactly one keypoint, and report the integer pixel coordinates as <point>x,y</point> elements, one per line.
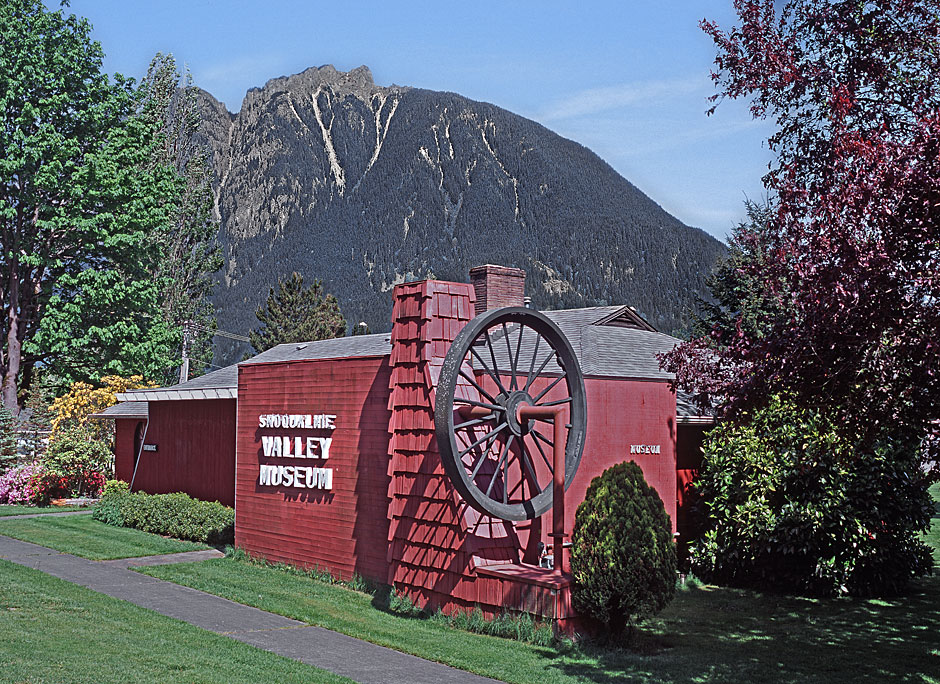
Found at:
<point>712,635</point>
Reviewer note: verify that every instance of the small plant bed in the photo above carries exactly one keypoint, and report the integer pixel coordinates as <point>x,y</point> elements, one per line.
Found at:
<point>20,509</point>
<point>706,634</point>
<point>83,536</point>
<point>55,631</point>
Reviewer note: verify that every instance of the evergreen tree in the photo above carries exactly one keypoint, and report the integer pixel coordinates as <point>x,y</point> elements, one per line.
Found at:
<point>35,432</point>
<point>7,439</point>
<point>190,254</point>
<point>297,314</point>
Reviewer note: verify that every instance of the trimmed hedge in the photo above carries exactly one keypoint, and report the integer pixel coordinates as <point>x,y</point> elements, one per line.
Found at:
<point>174,515</point>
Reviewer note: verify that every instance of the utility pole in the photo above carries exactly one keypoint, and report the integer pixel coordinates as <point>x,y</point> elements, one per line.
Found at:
<point>184,368</point>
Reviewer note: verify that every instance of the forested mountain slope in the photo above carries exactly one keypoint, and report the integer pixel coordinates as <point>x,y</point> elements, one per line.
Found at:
<point>363,186</point>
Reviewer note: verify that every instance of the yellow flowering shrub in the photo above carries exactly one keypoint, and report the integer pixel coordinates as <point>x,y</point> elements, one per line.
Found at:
<point>83,399</point>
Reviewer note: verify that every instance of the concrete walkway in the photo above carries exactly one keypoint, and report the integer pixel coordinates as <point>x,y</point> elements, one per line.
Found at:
<point>166,558</point>
<point>43,515</point>
<point>359,660</point>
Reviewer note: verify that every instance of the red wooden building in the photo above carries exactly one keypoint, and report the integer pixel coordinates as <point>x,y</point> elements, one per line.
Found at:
<point>327,449</point>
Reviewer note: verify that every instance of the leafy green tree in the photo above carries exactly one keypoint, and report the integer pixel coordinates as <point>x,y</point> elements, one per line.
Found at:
<point>190,254</point>
<point>794,504</point>
<point>740,298</point>
<point>297,314</point>
<point>81,458</point>
<point>80,200</point>
<point>623,557</point>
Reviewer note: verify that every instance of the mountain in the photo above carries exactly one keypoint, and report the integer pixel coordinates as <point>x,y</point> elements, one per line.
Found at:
<point>364,187</point>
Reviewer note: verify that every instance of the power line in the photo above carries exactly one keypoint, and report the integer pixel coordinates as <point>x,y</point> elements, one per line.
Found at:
<point>220,333</point>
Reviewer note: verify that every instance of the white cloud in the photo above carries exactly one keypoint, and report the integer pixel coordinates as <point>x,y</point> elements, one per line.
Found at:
<point>596,100</point>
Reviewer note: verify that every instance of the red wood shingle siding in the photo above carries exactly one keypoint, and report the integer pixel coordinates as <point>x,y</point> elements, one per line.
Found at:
<point>344,529</point>
<point>435,540</point>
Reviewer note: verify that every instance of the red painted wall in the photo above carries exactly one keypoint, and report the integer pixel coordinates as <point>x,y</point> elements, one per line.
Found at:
<point>195,450</point>
<point>620,413</point>
<point>124,429</point>
<point>345,528</point>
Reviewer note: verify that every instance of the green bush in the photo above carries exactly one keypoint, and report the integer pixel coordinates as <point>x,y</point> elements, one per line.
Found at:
<point>792,505</point>
<point>80,458</point>
<point>623,557</point>
<point>175,515</point>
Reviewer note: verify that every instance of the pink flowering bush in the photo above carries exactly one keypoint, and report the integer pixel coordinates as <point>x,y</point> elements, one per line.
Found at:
<point>15,484</point>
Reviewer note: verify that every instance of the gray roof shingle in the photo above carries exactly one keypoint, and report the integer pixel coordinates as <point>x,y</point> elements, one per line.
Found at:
<point>337,348</point>
<point>602,350</point>
<point>125,409</point>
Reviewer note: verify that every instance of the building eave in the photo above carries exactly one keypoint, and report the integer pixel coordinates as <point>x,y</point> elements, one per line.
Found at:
<point>169,394</point>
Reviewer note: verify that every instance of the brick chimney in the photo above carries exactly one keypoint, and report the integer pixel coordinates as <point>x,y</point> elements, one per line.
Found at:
<point>497,286</point>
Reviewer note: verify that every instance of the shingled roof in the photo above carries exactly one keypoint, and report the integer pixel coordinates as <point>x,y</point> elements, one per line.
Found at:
<point>609,341</point>
<point>606,348</point>
<point>337,348</point>
<point>223,383</point>
<point>125,409</point>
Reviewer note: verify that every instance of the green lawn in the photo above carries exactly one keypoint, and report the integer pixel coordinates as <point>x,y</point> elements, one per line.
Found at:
<point>705,635</point>
<point>84,536</point>
<point>17,509</point>
<point>58,632</point>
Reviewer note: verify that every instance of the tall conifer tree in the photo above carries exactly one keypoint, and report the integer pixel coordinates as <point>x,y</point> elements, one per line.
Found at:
<point>295,313</point>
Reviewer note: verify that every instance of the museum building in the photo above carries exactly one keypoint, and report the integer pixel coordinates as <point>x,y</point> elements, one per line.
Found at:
<point>327,449</point>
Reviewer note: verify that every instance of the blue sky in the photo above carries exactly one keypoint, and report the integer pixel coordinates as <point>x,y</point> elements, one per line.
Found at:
<point>629,80</point>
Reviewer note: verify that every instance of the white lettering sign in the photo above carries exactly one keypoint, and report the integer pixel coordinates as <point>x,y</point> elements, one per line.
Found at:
<point>644,448</point>
<point>295,446</point>
<point>296,476</point>
<point>322,421</point>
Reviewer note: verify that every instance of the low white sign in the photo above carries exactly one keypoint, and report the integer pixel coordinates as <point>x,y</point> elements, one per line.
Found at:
<point>295,446</point>
<point>644,448</point>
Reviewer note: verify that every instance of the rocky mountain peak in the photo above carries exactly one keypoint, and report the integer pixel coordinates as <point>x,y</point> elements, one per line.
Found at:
<point>363,187</point>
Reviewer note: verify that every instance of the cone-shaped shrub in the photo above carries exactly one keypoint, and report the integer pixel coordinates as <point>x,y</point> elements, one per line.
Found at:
<point>623,557</point>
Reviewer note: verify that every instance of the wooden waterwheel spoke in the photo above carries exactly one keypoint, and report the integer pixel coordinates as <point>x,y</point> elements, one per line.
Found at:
<point>475,421</point>
<point>492,373</point>
<point>484,458</point>
<point>545,391</point>
<point>539,435</point>
<point>542,453</point>
<point>524,457</point>
<point>478,387</point>
<point>474,402</point>
<point>539,371</point>
<point>502,458</point>
<point>483,439</point>
<point>566,400</point>
<point>535,354</point>
<point>515,364</point>
<point>489,343</point>
<point>512,360</point>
